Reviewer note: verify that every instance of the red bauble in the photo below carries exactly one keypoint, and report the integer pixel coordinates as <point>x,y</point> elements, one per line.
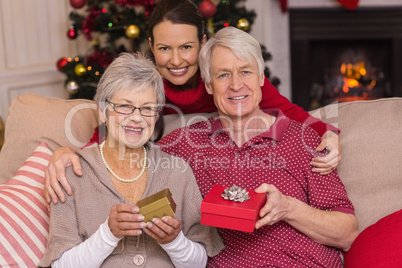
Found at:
<point>207,8</point>
<point>72,33</point>
<point>77,3</point>
<point>61,63</point>
<point>349,4</point>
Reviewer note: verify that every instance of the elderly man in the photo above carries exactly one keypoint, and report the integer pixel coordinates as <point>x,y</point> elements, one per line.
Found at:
<point>307,217</point>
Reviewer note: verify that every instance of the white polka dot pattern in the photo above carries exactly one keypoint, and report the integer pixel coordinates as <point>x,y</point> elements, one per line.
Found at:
<point>283,162</point>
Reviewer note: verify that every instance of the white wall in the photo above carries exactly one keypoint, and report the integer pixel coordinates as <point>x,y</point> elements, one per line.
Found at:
<point>32,39</point>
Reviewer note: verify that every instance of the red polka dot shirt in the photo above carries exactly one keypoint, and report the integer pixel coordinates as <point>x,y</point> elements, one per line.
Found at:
<point>281,156</point>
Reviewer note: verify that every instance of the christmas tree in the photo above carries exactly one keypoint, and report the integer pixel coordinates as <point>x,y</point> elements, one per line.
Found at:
<point>115,26</point>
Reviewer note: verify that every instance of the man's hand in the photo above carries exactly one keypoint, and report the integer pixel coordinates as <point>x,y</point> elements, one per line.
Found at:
<point>330,228</point>
<point>56,174</point>
<point>125,220</point>
<point>276,207</point>
<point>164,230</point>
<point>325,165</point>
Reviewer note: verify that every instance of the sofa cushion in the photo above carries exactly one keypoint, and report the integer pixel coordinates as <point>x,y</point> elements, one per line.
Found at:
<point>371,139</point>
<point>33,118</point>
<point>24,220</point>
<point>379,245</point>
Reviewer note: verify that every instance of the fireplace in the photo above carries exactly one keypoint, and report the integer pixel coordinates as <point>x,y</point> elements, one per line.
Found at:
<point>339,55</point>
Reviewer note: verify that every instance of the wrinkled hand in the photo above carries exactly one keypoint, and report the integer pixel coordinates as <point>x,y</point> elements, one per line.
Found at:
<point>276,207</point>
<point>56,174</point>
<point>125,220</point>
<point>164,230</point>
<point>325,165</point>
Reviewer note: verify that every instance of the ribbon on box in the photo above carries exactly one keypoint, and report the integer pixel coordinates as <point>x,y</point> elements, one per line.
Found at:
<point>236,194</point>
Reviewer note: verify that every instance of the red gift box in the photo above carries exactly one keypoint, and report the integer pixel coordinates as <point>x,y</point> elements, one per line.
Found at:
<point>219,212</point>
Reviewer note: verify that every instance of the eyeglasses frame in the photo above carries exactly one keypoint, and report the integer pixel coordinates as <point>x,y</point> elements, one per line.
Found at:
<point>113,105</point>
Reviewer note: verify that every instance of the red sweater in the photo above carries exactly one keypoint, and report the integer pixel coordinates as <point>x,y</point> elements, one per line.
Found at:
<point>199,101</point>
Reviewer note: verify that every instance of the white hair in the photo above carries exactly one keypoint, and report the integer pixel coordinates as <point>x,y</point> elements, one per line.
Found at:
<point>242,44</point>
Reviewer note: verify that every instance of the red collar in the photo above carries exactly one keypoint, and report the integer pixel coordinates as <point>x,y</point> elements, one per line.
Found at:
<point>275,132</point>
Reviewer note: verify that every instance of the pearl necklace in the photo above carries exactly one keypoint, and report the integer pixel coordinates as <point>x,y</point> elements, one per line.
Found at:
<point>114,174</point>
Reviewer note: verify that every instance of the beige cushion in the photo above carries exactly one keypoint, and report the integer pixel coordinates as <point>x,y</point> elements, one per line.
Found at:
<point>32,119</point>
<point>371,166</point>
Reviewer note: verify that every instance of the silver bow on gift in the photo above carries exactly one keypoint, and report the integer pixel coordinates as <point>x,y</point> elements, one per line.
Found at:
<point>236,194</point>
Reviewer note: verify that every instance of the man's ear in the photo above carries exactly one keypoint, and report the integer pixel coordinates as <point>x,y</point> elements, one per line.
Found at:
<point>150,44</point>
<point>262,80</point>
<point>208,87</point>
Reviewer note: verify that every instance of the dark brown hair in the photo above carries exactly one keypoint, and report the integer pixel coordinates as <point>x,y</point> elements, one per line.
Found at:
<point>177,12</point>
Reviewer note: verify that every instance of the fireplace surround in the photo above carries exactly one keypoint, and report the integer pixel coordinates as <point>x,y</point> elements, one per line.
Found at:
<point>365,43</point>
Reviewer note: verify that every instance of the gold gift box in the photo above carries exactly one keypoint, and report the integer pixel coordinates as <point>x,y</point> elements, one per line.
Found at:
<point>157,205</point>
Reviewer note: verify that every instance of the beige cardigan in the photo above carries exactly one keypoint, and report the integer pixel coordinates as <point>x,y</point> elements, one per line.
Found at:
<point>94,194</point>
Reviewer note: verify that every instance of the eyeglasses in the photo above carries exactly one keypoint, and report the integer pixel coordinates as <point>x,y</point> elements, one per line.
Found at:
<point>127,109</point>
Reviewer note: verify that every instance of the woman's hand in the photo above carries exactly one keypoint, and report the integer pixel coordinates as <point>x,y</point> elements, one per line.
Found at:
<point>164,230</point>
<point>125,220</point>
<point>326,164</point>
<point>56,174</point>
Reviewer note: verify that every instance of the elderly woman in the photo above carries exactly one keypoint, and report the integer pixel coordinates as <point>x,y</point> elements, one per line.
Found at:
<point>99,225</point>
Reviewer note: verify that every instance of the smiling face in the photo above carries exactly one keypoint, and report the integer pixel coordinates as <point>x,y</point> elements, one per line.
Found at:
<point>176,48</point>
<point>132,130</point>
<point>235,84</point>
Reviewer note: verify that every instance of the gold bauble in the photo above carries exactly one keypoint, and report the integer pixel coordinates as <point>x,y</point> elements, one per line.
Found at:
<point>95,42</point>
<point>132,31</point>
<point>243,24</point>
<point>80,70</point>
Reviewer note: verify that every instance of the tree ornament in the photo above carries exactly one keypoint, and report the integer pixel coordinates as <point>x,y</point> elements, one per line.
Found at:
<point>77,3</point>
<point>132,31</point>
<point>72,87</point>
<point>207,8</point>
<point>243,24</point>
<point>72,33</point>
<point>80,69</point>
<point>210,27</point>
<point>284,5</point>
<point>349,4</point>
<point>95,42</point>
<point>61,63</point>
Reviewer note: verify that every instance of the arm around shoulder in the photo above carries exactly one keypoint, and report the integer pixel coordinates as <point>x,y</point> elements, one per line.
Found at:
<point>56,174</point>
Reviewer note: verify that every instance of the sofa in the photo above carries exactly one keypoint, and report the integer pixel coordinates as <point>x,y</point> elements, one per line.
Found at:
<point>371,169</point>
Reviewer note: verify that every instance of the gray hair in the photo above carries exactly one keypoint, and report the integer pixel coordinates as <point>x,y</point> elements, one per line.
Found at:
<point>242,44</point>
<point>129,71</point>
